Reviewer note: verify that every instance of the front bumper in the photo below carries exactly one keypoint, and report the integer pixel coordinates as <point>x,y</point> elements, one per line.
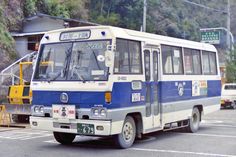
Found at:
<point>69,125</point>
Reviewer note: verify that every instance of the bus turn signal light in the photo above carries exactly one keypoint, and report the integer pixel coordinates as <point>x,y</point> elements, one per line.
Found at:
<point>108,97</point>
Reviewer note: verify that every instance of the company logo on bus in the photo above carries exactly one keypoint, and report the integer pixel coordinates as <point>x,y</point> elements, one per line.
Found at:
<point>64,97</point>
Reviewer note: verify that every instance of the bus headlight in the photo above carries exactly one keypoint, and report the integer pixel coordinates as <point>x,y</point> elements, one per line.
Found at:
<point>37,110</point>
<point>99,112</point>
<point>41,109</point>
<point>103,112</point>
<point>95,112</point>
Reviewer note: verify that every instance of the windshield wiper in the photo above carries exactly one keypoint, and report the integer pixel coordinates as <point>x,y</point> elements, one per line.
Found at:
<point>62,73</point>
<point>95,57</point>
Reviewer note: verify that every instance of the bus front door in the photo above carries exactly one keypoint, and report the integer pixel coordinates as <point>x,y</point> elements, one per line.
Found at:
<point>151,59</point>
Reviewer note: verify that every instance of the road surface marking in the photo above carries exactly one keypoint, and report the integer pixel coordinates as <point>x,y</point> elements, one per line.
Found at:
<point>211,121</point>
<point>24,135</point>
<point>29,138</point>
<point>181,152</point>
<point>218,125</point>
<point>209,135</point>
<point>51,141</point>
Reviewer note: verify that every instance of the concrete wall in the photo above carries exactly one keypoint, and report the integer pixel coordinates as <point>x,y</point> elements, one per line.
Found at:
<point>22,46</point>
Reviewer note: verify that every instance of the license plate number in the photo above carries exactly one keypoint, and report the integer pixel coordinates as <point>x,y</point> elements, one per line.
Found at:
<point>86,129</point>
<point>63,111</point>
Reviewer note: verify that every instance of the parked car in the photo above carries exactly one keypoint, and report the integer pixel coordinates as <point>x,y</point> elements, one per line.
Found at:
<point>228,95</point>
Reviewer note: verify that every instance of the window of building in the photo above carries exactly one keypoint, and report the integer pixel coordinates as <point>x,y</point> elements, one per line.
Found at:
<point>128,57</point>
<point>33,42</point>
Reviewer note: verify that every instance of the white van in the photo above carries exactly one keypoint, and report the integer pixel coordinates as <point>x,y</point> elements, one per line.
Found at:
<point>228,95</point>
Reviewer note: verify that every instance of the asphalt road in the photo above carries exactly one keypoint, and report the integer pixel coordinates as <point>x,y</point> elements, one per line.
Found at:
<point>216,138</point>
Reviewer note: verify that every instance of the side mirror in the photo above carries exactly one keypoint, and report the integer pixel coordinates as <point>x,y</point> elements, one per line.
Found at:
<point>109,58</point>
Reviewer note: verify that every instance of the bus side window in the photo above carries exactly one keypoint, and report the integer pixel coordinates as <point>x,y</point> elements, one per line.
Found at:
<point>128,57</point>
<point>192,61</point>
<point>172,60</point>
<point>209,63</point>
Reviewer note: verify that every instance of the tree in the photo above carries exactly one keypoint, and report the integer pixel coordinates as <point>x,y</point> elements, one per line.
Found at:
<point>30,8</point>
<point>231,67</point>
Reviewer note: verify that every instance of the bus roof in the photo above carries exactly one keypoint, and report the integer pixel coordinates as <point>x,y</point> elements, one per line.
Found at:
<point>149,38</point>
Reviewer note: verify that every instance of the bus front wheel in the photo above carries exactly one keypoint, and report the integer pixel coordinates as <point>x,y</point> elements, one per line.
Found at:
<point>126,138</point>
<point>194,121</point>
<point>64,138</point>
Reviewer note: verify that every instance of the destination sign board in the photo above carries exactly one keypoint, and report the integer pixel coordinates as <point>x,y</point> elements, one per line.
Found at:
<point>75,35</point>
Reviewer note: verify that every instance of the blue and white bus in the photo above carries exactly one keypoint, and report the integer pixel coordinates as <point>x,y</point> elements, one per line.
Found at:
<point>109,81</point>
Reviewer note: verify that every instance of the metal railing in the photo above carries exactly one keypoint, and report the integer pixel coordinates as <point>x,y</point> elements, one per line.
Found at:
<point>11,71</point>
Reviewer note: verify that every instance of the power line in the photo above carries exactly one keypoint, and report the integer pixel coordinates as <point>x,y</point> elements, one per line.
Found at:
<point>206,7</point>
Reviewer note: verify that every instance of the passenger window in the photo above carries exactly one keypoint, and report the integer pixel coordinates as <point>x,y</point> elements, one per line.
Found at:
<point>177,61</point>
<point>196,62</point>
<point>205,62</point>
<point>128,57</point>
<point>209,62</point>
<point>192,61</point>
<point>212,58</point>
<point>121,57</point>
<point>172,60</point>
<point>135,57</point>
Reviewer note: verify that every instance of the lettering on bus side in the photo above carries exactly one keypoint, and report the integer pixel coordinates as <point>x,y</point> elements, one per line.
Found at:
<point>122,78</point>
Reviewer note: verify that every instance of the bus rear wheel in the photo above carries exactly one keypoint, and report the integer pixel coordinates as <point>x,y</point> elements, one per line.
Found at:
<point>64,138</point>
<point>126,138</point>
<point>194,121</point>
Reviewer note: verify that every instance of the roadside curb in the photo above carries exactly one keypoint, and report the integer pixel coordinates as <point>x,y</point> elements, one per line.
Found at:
<point>13,127</point>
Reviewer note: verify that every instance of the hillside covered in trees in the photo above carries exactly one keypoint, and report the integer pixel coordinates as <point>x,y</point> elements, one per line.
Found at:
<point>174,18</point>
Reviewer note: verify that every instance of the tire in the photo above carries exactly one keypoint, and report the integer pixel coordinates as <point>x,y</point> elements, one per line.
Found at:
<point>194,121</point>
<point>126,138</point>
<point>64,138</point>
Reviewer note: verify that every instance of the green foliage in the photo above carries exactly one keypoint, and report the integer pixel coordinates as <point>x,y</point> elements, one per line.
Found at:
<point>166,17</point>
<point>51,7</point>
<point>56,8</point>
<point>231,67</point>
<point>6,41</point>
<point>77,8</point>
<point>29,7</point>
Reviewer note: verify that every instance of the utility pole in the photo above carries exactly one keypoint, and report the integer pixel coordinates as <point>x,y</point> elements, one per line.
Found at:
<point>144,15</point>
<point>228,26</point>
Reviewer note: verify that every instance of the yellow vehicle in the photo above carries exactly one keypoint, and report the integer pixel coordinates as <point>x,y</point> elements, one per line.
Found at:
<point>20,94</point>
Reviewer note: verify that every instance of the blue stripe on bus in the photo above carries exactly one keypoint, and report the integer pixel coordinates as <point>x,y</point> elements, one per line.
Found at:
<point>169,91</point>
<point>122,95</point>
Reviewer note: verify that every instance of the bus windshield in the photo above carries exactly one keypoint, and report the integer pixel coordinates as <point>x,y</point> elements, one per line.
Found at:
<point>78,61</point>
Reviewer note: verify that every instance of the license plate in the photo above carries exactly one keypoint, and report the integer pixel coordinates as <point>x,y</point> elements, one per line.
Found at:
<point>63,111</point>
<point>86,129</point>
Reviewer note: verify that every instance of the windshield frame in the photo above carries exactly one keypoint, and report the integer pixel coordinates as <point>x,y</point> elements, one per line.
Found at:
<point>67,70</point>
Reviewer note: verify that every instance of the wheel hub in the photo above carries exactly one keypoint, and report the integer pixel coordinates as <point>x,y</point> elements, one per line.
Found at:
<point>128,132</point>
